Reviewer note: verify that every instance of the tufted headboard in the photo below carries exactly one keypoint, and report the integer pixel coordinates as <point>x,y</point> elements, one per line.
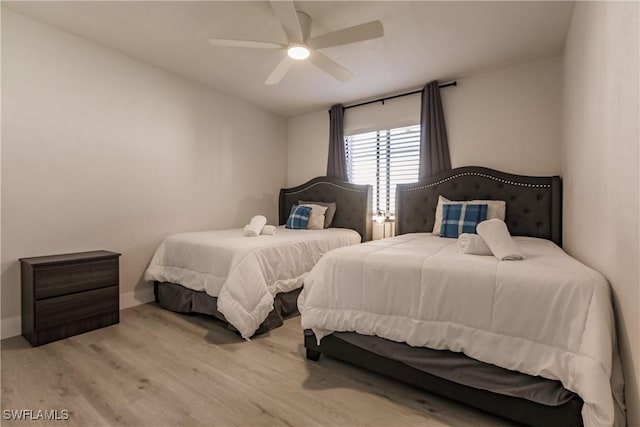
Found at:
<point>353,202</point>
<point>534,204</point>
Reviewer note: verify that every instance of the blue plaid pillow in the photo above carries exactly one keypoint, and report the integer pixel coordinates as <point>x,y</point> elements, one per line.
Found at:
<point>299,217</point>
<point>461,218</point>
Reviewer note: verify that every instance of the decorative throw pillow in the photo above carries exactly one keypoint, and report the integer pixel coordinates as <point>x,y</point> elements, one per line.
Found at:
<point>329,214</point>
<point>299,217</point>
<point>461,218</point>
<point>316,220</point>
<point>495,209</point>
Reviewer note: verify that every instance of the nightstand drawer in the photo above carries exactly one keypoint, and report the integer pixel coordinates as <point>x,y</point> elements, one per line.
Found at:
<point>75,307</point>
<point>56,280</point>
<point>68,294</point>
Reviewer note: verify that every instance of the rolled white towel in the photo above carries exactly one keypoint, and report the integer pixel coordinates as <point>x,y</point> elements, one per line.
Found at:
<point>473,244</point>
<point>496,235</point>
<point>255,226</point>
<point>268,230</point>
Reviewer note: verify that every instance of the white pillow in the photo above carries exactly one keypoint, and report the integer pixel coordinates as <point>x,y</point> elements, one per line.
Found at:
<point>316,219</point>
<point>495,209</point>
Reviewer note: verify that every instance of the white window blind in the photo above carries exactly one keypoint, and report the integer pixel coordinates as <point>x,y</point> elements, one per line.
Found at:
<point>384,159</point>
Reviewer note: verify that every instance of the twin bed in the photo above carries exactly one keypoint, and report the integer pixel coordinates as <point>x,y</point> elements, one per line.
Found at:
<point>252,283</point>
<point>532,341</point>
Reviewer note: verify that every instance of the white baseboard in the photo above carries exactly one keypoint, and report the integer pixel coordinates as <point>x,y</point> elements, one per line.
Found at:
<point>141,296</point>
<point>13,327</point>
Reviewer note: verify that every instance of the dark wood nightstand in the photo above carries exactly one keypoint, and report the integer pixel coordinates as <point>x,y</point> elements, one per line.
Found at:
<point>65,295</point>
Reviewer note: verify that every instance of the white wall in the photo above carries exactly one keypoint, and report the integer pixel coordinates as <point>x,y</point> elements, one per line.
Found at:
<point>308,147</point>
<point>507,119</point>
<point>600,157</point>
<point>101,151</point>
<point>394,113</point>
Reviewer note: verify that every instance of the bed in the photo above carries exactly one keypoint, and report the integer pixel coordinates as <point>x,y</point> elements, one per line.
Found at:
<point>532,341</point>
<point>252,283</point>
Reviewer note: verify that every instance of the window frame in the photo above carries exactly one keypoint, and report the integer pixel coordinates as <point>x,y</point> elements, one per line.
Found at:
<point>382,157</point>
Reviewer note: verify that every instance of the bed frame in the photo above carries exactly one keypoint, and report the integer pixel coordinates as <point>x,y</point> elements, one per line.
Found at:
<point>533,209</point>
<point>353,210</point>
<point>534,203</point>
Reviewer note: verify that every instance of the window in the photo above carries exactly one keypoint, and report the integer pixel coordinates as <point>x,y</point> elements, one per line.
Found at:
<point>384,158</point>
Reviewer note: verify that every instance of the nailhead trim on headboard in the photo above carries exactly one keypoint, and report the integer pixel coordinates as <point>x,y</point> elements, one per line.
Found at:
<point>353,202</point>
<point>534,203</point>
<point>325,183</point>
<point>521,184</point>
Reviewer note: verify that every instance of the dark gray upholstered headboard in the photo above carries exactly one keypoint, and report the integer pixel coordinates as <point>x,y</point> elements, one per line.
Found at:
<point>534,204</point>
<point>353,202</point>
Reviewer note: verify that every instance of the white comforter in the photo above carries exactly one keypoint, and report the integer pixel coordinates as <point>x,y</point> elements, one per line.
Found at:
<point>245,273</point>
<point>548,315</point>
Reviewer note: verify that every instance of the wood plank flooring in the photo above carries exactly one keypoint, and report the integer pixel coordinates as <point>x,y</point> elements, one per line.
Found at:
<point>158,368</point>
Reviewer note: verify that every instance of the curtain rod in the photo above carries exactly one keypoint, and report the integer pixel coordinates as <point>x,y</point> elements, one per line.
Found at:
<point>453,83</point>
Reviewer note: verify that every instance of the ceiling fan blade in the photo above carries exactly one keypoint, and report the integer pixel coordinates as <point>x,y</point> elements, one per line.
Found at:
<point>278,73</point>
<point>357,33</point>
<point>245,43</point>
<point>285,11</point>
<point>330,66</point>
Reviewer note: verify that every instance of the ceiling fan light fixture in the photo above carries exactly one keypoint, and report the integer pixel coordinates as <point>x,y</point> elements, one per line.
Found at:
<point>298,52</point>
<point>300,46</point>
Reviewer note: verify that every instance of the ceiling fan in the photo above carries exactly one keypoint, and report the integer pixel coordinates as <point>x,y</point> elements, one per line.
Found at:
<point>296,26</point>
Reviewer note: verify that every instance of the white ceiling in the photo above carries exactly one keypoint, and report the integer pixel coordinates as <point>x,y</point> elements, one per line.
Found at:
<point>423,41</point>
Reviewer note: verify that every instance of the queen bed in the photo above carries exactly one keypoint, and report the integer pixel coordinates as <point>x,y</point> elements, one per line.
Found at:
<point>532,341</point>
<point>252,283</point>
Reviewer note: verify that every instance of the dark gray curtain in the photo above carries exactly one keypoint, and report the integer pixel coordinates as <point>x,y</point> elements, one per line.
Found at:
<point>337,163</point>
<point>434,145</point>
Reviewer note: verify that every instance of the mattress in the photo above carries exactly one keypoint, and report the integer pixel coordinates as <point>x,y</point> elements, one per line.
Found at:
<point>244,273</point>
<point>547,316</point>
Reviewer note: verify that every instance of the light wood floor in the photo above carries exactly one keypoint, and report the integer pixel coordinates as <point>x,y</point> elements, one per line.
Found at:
<point>158,368</point>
